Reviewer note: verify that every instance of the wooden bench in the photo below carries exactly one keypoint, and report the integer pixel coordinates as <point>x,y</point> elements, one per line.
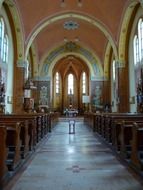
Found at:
<point>32,126</point>
<point>116,127</point>
<point>89,119</point>
<point>137,146</point>
<point>24,135</point>
<point>52,120</point>
<point>13,144</point>
<point>125,137</point>
<point>3,154</point>
<point>113,129</point>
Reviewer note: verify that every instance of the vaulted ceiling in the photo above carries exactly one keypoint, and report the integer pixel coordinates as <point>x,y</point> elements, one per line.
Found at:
<point>90,23</point>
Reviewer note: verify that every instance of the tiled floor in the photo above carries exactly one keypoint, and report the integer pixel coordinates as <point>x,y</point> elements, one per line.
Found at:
<point>77,161</point>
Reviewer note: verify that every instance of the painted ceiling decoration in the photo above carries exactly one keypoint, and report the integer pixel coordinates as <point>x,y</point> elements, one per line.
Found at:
<point>71,25</point>
<point>82,18</point>
<point>63,3</point>
<point>91,24</point>
<point>72,47</point>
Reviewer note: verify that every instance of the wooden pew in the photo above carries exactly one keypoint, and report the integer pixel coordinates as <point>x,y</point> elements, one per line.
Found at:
<point>42,124</point>
<point>52,120</point>
<point>13,144</point>
<point>89,119</point>
<point>24,135</point>
<point>125,137</point>
<point>3,154</point>
<point>97,122</point>
<point>137,146</point>
<point>103,124</point>
<point>113,129</point>
<point>116,128</point>
<point>32,124</point>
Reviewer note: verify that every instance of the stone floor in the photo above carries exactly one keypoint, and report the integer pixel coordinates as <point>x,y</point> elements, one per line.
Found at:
<point>79,161</point>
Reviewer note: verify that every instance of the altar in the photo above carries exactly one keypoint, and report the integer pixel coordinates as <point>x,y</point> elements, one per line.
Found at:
<point>71,112</point>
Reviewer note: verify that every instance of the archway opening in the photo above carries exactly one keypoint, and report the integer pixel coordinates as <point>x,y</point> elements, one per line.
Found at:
<point>70,83</point>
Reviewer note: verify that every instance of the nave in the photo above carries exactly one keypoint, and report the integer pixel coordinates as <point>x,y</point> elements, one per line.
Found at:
<point>66,161</point>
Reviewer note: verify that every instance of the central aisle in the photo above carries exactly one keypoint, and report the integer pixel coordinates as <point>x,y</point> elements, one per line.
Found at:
<point>75,162</point>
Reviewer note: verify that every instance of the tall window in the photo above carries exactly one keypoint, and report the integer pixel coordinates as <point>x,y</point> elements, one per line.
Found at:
<point>138,44</point>
<point>5,49</point>
<point>135,49</point>
<point>140,36</point>
<point>57,80</point>
<point>83,83</point>
<point>70,84</point>
<point>1,36</point>
<point>114,70</point>
<point>3,42</point>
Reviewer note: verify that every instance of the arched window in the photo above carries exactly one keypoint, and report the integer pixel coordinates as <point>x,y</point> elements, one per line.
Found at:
<point>140,37</point>
<point>5,49</point>
<point>57,81</point>
<point>135,49</point>
<point>138,44</point>
<point>83,83</point>
<point>3,42</point>
<point>1,37</point>
<point>114,70</point>
<point>70,84</point>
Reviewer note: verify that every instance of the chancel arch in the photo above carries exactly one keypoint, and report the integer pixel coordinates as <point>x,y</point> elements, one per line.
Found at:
<point>69,72</point>
<point>48,62</point>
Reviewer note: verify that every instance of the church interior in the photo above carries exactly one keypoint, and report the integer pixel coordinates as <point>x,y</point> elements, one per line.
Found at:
<point>71,64</point>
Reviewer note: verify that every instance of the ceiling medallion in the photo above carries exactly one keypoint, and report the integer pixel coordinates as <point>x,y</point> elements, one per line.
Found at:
<point>71,25</point>
<point>71,46</point>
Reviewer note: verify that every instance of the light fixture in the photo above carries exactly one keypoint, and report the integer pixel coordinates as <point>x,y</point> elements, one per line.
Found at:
<point>80,3</point>
<point>65,39</point>
<point>63,3</point>
<point>76,39</point>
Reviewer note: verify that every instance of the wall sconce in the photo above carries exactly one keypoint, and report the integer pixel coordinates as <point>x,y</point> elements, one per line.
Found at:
<point>65,39</point>
<point>117,100</point>
<point>132,100</point>
<point>63,3</point>
<point>79,3</point>
<point>112,104</point>
<point>9,99</point>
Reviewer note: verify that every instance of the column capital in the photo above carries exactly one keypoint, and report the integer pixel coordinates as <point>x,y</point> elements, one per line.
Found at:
<point>22,63</point>
<point>120,64</point>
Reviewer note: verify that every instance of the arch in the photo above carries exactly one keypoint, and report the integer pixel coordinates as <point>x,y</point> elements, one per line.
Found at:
<point>7,61</point>
<point>90,58</point>
<point>18,29</point>
<point>85,18</point>
<point>35,60</point>
<point>132,82</point>
<point>124,32</point>
<point>1,2</point>
<point>107,61</point>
